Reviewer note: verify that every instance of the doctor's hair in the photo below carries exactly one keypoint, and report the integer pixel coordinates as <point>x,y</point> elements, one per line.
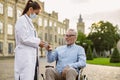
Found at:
<point>32,4</point>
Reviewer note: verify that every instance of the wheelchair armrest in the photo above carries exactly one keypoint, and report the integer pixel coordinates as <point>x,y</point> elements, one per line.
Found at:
<point>81,70</point>
<point>49,66</point>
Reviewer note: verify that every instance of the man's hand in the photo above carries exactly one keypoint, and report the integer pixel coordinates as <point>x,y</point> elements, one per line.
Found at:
<point>64,72</point>
<point>48,47</point>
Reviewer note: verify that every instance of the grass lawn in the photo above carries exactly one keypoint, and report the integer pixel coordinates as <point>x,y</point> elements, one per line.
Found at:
<point>102,61</point>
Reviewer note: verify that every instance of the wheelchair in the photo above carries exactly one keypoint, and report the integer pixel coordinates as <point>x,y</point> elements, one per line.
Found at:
<point>80,76</point>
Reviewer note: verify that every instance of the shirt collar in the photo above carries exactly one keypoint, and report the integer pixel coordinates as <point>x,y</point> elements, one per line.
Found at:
<point>69,46</point>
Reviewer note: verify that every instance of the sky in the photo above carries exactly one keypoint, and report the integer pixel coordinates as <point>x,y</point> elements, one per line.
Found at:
<point>91,11</point>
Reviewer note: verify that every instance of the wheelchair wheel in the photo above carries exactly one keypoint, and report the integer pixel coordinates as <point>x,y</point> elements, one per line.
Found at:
<point>83,77</point>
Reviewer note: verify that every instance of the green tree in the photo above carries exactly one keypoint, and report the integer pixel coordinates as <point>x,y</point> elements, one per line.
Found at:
<point>81,39</point>
<point>89,53</point>
<point>86,43</point>
<point>103,35</point>
<point>115,57</point>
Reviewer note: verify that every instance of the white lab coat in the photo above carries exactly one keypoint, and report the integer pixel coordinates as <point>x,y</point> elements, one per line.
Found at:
<point>26,50</point>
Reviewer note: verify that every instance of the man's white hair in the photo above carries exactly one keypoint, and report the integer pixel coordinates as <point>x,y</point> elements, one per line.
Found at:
<point>72,30</point>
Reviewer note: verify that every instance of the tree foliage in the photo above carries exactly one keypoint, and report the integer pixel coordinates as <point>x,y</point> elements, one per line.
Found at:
<point>103,35</point>
<point>82,40</point>
<point>86,43</point>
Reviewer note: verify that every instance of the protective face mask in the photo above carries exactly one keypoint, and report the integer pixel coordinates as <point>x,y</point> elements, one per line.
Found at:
<point>32,16</point>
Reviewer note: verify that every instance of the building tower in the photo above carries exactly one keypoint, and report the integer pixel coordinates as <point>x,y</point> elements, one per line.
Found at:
<point>80,25</point>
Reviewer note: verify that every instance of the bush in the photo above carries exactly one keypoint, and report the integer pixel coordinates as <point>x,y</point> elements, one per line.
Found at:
<point>89,54</point>
<point>115,57</point>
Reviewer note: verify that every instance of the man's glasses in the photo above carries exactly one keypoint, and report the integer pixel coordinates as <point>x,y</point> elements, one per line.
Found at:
<point>69,35</point>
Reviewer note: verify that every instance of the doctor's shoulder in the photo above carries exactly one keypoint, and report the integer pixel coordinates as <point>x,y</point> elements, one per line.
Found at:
<point>20,21</point>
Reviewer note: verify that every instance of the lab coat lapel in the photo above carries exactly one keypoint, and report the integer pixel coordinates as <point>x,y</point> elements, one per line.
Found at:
<point>29,21</point>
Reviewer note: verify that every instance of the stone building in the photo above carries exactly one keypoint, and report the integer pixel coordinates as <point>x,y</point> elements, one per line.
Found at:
<point>49,28</point>
<point>8,16</point>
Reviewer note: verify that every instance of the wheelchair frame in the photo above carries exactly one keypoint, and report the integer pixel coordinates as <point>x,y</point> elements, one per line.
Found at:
<point>80,76</point>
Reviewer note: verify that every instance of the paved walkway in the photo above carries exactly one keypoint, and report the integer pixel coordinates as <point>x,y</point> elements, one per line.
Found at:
<point>98,72</point>
<point>93,72</point>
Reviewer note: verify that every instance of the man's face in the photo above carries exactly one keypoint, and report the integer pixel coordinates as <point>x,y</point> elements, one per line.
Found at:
<point>70,37</point>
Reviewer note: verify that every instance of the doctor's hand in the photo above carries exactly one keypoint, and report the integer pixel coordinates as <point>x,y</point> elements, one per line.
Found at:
<point>42,43</point>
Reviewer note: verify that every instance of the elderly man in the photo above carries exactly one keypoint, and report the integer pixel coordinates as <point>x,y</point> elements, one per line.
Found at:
<point>69,58</point>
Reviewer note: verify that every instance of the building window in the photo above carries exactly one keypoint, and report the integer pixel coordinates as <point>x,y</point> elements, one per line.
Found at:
<point>1,8</point>
<point>1,47</point>
<point>55,24</point>
<point>59,41</point>
<point>50,37</point>
<point>64,31</point>
<point>62,41</point>
<point>40,21</point>
<point>10,11</point>
<point>10,29</point>
<point>58,30</point>
<point>61,30</point>
<point>40,36</point>
<point>10,48</point>
<point>50,23</point>
<point>45,36</point>
<point>18,13</point>
<point>1,27</point>
<point>45,23</point>
<point>56,38</point>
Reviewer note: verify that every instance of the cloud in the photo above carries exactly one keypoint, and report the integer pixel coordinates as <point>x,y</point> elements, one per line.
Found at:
<point>79,1</point>
<point>112,16</point>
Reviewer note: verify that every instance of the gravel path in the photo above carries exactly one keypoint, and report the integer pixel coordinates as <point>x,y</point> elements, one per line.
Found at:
<point>98,72</point>
<point>93,72</point>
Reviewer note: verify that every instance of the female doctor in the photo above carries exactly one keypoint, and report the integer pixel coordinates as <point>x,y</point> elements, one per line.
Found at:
<point>27,44</point>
